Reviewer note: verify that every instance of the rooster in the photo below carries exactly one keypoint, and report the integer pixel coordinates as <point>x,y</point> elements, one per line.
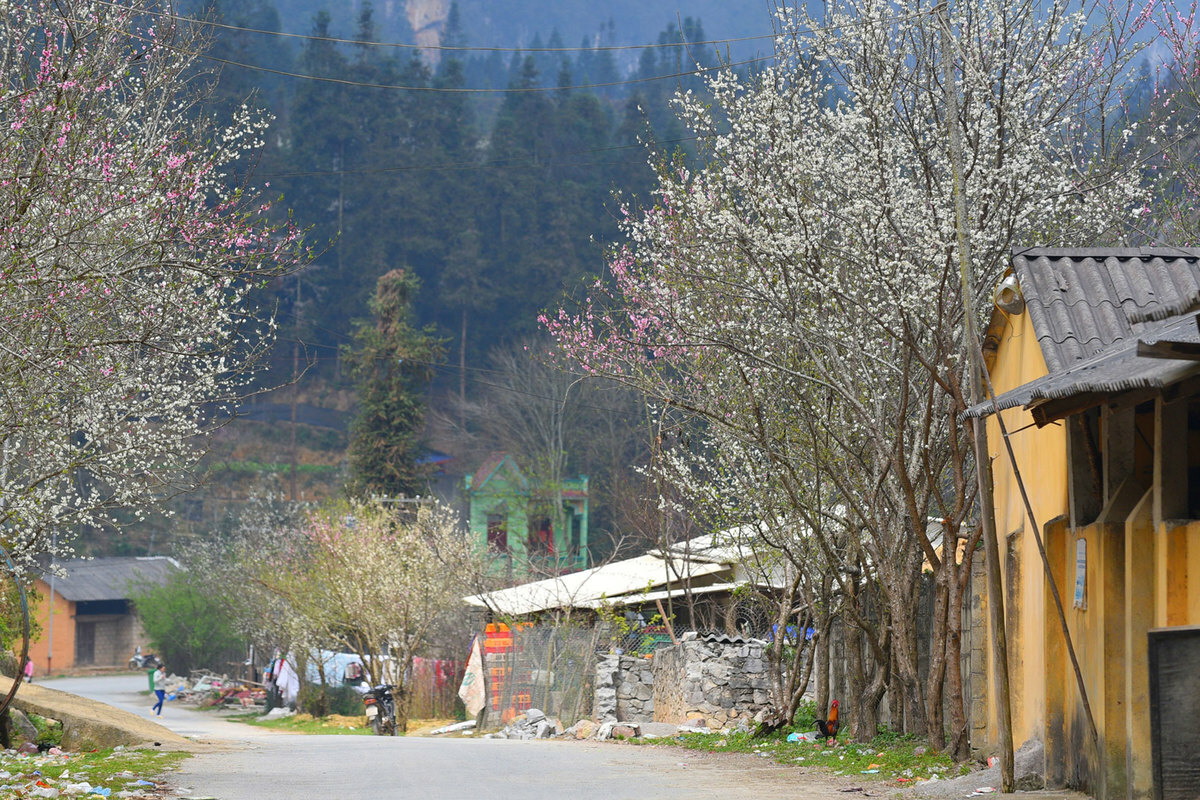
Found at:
<point>829,727</point>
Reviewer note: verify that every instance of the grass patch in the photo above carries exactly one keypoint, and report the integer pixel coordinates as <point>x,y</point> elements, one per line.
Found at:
<point>49,731</point>
<point>888,757</point>
<point>332,725</point>
<point>116,769</point>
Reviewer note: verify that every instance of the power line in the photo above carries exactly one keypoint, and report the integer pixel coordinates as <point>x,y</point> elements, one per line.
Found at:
<point>440,47</point>
<point>454,370</point>
<point>494,164</point>
<point>467,90</point>
<point>155,42</point>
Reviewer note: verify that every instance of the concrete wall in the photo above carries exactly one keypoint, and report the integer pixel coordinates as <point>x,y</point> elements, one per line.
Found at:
<point>1042,456</point>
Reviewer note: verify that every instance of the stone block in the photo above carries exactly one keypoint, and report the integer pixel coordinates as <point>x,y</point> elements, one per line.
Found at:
<point>1031,782</point>
<point>583,729</point>
<point>626,731</point>
<point>19,728</point>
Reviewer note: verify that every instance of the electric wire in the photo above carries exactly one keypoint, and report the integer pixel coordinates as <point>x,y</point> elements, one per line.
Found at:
<point>466,89</point>
<point>438,47</point>
<point>476,90</point>
<point>502,48</point>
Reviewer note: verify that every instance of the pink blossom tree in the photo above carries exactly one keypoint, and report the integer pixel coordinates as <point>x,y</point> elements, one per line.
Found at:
<point>127,259</point>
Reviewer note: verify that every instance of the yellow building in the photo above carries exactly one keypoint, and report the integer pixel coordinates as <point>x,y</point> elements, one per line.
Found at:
<point>1097,374</point>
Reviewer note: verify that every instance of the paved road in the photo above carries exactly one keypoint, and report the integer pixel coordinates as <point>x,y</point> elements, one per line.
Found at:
<point>258,764</point>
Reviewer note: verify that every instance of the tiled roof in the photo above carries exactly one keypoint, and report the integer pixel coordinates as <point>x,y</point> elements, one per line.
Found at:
<point>110,578</point>
<point>489,467</point>
<point>1081,301</point>
<point>1089,309</point>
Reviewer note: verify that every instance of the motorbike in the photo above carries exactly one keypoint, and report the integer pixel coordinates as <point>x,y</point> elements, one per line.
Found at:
<point>381,709</point>
<point>144,661</point>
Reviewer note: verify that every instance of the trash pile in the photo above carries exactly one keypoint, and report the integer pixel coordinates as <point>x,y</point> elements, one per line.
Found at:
<point>533,724</point>
<point>30,775</point>
<point>208,689</point>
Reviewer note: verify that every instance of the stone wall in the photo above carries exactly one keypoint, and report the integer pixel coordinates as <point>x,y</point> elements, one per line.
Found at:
<point>714,681</point>
<point>624,689</point>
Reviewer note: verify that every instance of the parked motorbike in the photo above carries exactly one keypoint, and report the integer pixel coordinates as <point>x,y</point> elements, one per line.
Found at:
<point>144,661</point>
<point>381,709</point>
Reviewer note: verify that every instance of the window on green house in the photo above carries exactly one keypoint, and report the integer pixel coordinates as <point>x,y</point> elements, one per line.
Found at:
<point>497,532</point>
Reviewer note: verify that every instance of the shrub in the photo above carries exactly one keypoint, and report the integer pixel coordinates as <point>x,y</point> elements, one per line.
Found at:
<point>806,716</point>
<point>321,701</point>
<point>188,627</point>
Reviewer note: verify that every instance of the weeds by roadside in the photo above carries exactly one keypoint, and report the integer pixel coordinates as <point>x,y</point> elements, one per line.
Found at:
<point>897,759</point>
<point>306,723</point>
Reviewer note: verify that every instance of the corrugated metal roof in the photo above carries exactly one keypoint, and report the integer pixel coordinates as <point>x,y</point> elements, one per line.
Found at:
<point>1117,369</point>
<point>577,589</point>
<point>110,578</point>
<point>637,598</point>
<point>1082,301</point>
<point>1090,308</point>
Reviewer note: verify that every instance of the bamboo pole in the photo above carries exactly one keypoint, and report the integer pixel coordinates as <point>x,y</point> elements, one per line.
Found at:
<point>983,466</point>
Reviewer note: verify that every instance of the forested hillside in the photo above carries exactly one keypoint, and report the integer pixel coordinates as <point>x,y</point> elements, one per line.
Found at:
<point>489,174</point>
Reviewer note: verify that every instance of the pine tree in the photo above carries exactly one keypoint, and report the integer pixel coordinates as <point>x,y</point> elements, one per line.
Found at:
<point>391,364</point>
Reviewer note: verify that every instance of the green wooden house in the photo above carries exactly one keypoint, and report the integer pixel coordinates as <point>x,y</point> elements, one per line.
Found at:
<point>511,518</point>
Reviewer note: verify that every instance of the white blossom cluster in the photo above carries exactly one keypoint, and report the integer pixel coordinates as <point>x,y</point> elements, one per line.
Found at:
<point>125,265</point>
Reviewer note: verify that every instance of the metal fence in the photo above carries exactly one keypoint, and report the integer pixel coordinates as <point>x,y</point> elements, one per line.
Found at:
<point>548,667</point>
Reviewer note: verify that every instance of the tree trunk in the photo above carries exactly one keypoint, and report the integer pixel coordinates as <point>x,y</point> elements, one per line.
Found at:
<point>935,682</point>
<point>960,745</point>
<point>864,722</point>
<point>904,599</point>
<point>824,647</point>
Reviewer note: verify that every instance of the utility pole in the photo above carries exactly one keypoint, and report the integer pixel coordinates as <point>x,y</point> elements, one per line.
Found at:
<point>983,464</point>
<point>295,391</point>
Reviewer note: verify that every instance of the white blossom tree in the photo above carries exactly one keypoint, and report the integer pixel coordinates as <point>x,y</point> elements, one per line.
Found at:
<point>361,578</point>
<point>126,263</point>
<point>799,292</point>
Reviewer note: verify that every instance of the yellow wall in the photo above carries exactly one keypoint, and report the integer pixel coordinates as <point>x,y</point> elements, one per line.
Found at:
<point>1177,599</point>
<point>1137,576</point>
<point>1042,457</point>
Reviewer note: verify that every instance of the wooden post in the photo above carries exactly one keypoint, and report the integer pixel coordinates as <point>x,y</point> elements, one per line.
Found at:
<point>983,464</point>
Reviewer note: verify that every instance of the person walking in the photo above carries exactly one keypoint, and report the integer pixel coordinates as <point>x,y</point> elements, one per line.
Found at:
<point>29,670</point>
<point>160,679</point>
